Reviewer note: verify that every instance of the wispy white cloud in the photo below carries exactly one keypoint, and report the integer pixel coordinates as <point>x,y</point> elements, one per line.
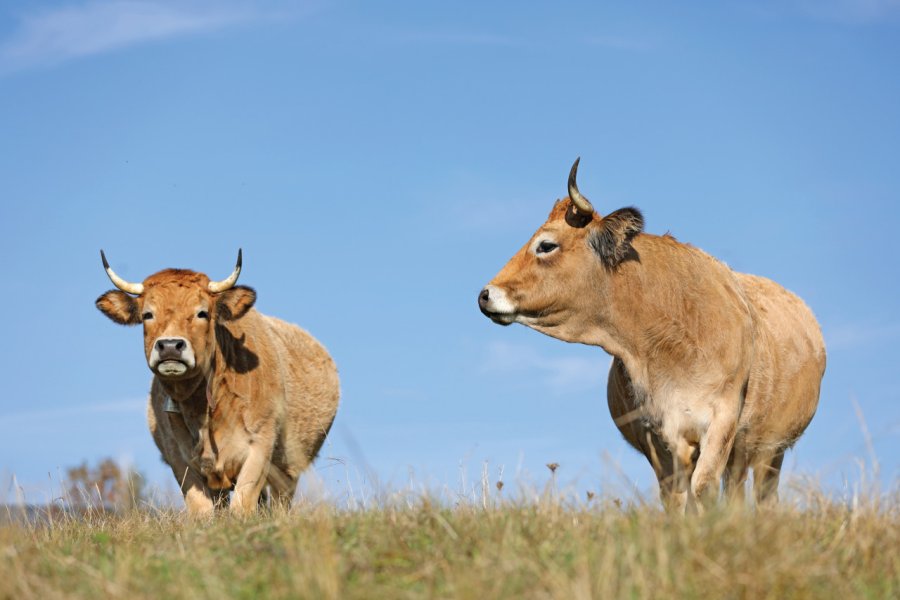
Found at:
<point>53,36</point>
<point>560,373</point>
<point>483,38</point>
<point>620,42</point>
<point>461,38</point>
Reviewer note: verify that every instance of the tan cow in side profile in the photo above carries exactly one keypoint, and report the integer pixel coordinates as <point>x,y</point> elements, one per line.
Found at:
<point>238,399</point>
<point>714,372</point>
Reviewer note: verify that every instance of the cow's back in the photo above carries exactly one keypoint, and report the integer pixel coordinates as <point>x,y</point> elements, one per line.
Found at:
<point>788,365</point>
<point>311,392</point>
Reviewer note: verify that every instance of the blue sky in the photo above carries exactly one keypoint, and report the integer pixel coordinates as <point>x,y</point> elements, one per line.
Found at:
<point>378,164</point>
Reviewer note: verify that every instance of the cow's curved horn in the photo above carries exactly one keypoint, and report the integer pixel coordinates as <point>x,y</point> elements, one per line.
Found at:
<point>226,284</point>
<point>580,201</point>
<point>126,286</point>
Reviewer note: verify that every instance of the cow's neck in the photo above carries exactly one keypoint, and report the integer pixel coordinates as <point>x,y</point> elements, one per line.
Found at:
<point>184,390</point>
<point>633,309</point>
<point>657,310</point>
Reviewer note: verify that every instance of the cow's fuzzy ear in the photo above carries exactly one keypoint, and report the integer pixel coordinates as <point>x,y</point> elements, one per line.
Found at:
<point>120,307</point>
<point>611,239</point>
<point>234,303</point>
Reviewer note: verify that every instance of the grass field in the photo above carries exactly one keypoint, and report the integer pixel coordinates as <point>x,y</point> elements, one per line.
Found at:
<point>810,546</point>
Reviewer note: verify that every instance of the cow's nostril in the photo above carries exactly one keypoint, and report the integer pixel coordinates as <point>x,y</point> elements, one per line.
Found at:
<point>484,296</point>
<point>171,347</point>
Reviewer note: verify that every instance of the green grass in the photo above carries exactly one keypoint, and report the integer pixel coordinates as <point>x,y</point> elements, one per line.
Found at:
<point>813,547</point>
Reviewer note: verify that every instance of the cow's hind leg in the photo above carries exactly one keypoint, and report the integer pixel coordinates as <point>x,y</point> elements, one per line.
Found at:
<point>264,499</point>
<point>766,474</point>
<point>281,500</point>
<point>735,477</point>
<point>274,499</point>
<point>282,485</point>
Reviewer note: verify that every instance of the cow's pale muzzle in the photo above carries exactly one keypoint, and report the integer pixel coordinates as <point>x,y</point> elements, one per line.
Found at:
<point>495,305</point>
<point>171,357</point>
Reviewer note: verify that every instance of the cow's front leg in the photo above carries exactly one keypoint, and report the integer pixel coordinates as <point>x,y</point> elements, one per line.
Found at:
<point>715,448</point>
<point>174,443</point>
<point>683,464</point>
<point>251,479</point>
<point>198,500</point>
<point>672,477</point>
<point>198,497</point>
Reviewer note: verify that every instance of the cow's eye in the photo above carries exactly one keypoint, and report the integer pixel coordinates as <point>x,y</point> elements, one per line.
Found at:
<point>545,247</point>
<point>147,316</point>
<point>202,315</point>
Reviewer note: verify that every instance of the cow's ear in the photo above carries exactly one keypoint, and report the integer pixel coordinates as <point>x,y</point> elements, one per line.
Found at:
<point>234,303</point>
<point>120,307</point>
<point>611,239</point>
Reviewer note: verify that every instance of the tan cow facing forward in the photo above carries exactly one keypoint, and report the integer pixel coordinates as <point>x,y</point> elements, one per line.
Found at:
<point>238,399</point>
<point>714,372</point>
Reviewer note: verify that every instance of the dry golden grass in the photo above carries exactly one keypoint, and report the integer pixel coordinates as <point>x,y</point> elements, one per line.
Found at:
<point>808,547</point>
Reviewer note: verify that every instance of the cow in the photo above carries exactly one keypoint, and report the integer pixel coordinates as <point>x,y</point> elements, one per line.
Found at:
<point>714,372</point>
<point>238,399</point>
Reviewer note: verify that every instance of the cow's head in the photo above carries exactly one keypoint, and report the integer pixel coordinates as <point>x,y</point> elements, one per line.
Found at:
<point>179,309</point>
<point>552,282</point>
